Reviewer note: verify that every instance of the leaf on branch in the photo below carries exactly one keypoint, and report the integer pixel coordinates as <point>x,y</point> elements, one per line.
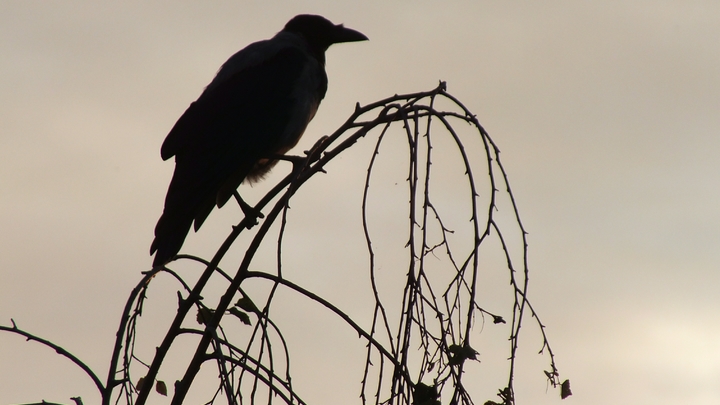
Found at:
<point>461,353</point>
<point>425,395</point>
<point>139,384</point>
<point>565,389</point>
<point>161,388</point>
<point>245,303</point>
<point>204,315</point>
<point>244,317</point>
<point>498,319</point>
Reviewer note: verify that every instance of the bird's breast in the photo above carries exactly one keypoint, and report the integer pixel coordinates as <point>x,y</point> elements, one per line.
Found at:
<point>304,98</point>
<point>306,95</point>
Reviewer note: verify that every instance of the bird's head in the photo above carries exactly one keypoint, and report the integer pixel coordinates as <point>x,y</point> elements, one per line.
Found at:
<point>320,33</point>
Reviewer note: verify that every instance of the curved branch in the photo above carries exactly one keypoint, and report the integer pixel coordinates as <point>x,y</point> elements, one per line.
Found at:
<point>59,350</point>
<point>330,306</point>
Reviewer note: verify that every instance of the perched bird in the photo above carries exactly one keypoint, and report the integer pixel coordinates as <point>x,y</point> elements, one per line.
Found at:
<point>256,108</point>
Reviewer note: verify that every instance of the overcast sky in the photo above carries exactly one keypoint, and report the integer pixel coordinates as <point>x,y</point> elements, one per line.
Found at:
<point>607,115</point>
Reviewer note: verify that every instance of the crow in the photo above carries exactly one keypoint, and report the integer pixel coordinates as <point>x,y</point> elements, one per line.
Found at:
<point>255,109</point>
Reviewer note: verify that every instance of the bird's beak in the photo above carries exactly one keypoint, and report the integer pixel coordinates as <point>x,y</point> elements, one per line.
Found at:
<point>343,34</point>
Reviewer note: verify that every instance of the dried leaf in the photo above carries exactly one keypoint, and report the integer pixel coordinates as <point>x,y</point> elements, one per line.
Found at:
<point>425,395</point>
<point>244,318</point>
<point>204,315</point>
<point>245,303</point>
<point>161,388</point>
<point>461,353</point>
<point>565,389</point>
<point>498,319</point>
<point>469,353</point>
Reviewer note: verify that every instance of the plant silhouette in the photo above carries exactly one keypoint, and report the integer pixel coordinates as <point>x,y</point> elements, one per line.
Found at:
<point>420,336</point>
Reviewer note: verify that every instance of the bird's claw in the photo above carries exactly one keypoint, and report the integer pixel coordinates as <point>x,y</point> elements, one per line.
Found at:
<point>314,153</point>
<point>251,213</point>
<point>301,162</point>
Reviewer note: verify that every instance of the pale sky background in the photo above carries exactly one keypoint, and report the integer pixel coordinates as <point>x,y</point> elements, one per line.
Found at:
<point>607,114</point>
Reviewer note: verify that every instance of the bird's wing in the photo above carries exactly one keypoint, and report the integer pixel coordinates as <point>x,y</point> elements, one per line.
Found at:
<point>234,123</point>
<point>254,79</point>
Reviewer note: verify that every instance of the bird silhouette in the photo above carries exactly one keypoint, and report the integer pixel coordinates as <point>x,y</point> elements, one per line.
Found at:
<point>255,109</point>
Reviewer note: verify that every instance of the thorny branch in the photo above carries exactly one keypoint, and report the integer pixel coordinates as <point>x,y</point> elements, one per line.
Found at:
<point>424,360</point>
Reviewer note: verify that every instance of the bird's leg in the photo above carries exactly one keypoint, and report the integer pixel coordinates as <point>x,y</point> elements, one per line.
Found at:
<point>298,162</point>
<point>311,156</point>
<point>251,214</point>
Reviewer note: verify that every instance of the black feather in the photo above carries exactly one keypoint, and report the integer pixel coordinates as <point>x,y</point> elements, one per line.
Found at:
<point>258,106</point>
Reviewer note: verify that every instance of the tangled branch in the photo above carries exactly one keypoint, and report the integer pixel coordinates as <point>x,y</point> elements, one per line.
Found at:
<point>415,353</point>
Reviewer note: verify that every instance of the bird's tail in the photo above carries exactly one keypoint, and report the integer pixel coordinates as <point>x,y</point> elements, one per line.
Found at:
<point>193,193</point>
<point>170,233</point>
<point>181,209</point>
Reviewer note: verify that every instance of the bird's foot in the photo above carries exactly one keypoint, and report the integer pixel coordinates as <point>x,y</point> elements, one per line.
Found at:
<point>298,162</point>
<point>314,153</point>
<point>251,213</point>
<point>311,156</point>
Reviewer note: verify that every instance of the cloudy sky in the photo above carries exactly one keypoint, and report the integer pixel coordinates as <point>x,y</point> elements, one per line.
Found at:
<point>607,115</point>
